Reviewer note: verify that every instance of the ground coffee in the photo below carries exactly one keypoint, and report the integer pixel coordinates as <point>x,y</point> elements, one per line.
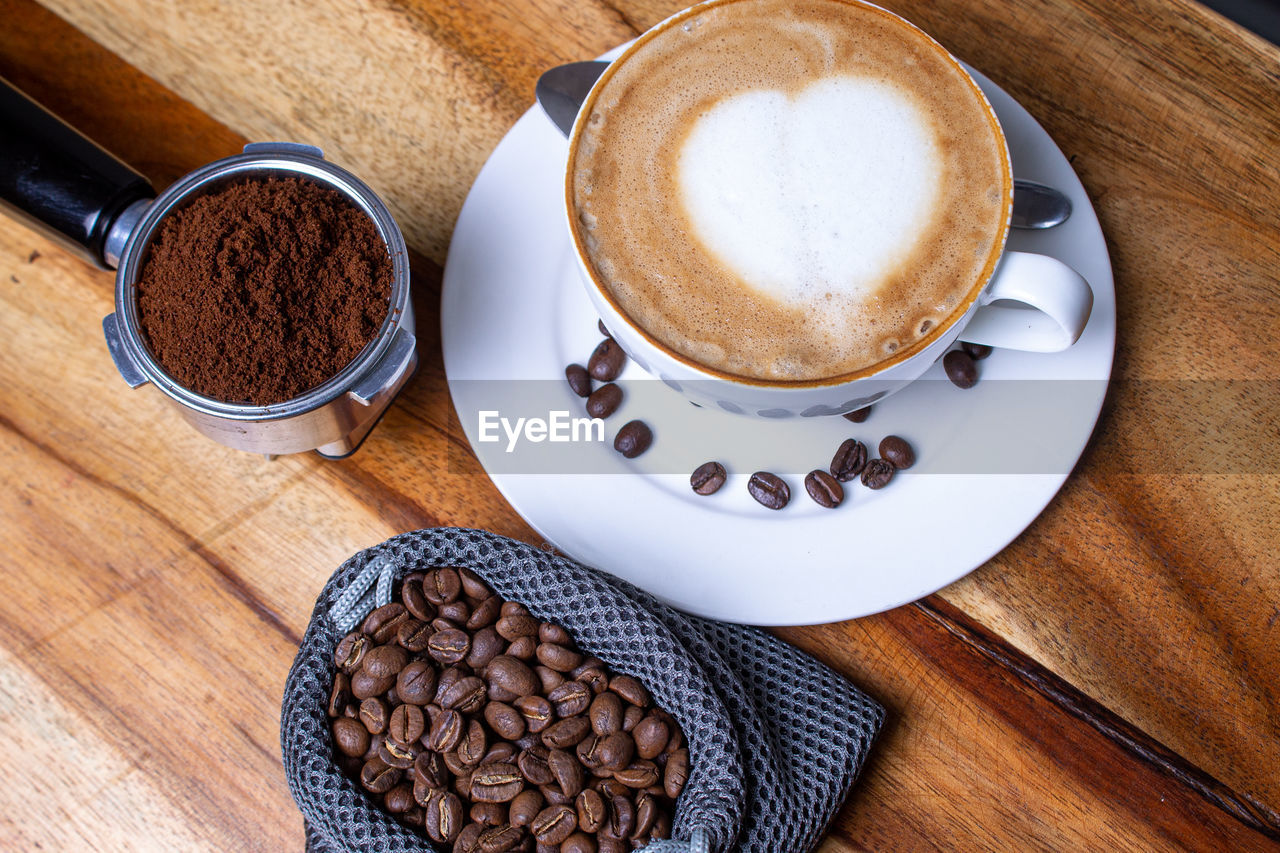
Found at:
<point>262,290</point>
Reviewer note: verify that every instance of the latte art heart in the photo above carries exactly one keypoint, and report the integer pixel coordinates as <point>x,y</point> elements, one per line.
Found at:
<point>824,192</point>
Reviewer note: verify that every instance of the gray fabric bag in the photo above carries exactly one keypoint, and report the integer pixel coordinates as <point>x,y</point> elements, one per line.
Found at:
<point>775,738</point>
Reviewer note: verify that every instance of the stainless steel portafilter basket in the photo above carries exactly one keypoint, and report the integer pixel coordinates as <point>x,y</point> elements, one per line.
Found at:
<point>63,184</point>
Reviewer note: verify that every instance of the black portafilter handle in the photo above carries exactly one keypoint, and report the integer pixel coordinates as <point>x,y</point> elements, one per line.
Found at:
<point>59,182</point>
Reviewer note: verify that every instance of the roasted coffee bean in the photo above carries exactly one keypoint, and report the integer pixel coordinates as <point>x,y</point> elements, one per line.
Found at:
<point>651,737</point>
<point>606,713</point>
<point>407,724</point>
<point>591,810</point>
<point>616,750</point>
<point>661,826</point>
<point>397,754</point>
<point>588,752</point>
<point>877,474</point>
<point>449,646</point>
<point>630,689</point>
<point>594,677</point>
<point>467,695</point>
<point>631,718</point>
<point>469,839</point>
<point>550,632</point>
<point>416,683</point>
<point>897,452</point>
<point>525,806</point>
<point>824,489</point>
<point>604,401</point>
<point>960,368</point>
<point>429,769</point>
<point>622,818</point>
<point>553,795</point>
<point>486,613</point>
<point>485,646</point>
<point>461,771</point>
<point>769,490</point>
<point>489,814</point>
<point>676,773</point>
<point>447,679</point>
<point>364,685</point>
<point>535,713</point>
<point>529,740</point>
<point>554,824</point>
<point>472,584</point>
<point>633,439</point>
<point>458,612</point>
<point>570,699</point>
<point>533,765</point>
<point>600,325</point>
<point>506,721</point>
<point>850,459</point>
<point>858,416</point>
<point>523,648</point>
<point>441,624</point>
<point>443,820</point>
<point>379,777</point>
<point>559,658</point>
<point>496,783</point>
<point>579,380</point>
<point>647,809</point>
<point>579,842</point>
<point>566,770</point>
<point>512,675</point>
<point>413,635</point>
<point>383,623</point>
<point>340,695</point>
<point>512,626</point>
<point>566,733</point>
<point>976,351</point>
<point>707,478</point>
<point>350,737</point>
<point>441,586</point>
<point>374,714</point>
<point>474,745</point>
<point>611,845</point>
<point>499,839</point>
<point>385,661</point>
<point>548,678</point>
<point>611,787</point>
<point>638,774</point>
<point>446,731</point>
<point>415,602</point>
<point>606,361</point>
<point>350,651</point>
<point>399,799</point>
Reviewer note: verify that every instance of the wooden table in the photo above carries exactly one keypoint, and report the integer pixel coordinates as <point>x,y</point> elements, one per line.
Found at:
<point>1110,681</point>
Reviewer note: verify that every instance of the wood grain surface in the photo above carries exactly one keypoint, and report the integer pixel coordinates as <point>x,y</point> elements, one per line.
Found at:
<point>1110,681</point>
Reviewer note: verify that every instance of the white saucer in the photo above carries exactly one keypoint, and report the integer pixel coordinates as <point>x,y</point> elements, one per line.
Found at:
<point>989,459</point>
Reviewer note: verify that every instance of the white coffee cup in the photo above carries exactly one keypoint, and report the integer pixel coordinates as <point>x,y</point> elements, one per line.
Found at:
<point>1019,301</point>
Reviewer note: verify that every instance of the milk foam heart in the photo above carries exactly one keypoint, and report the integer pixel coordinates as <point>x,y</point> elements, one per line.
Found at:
<point>820,193</point>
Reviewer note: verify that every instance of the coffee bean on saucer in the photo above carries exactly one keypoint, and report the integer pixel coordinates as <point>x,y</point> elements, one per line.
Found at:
<point>960,368</point>
<point>707,478</point>
<point>877,474</point>
<point>604,401</point>
<point>858,416</point>
<point>896,450</point>
<point>579,379</point>
<point>850,458</point>
<point>977,351</point>
<point>607,361</point>
<point>600,325</point>
<point>824,489</point>
<point>769,490</point>
<point>633,439</point>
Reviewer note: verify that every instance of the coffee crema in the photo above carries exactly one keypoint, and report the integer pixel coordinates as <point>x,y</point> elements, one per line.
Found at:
<point>789,192</point>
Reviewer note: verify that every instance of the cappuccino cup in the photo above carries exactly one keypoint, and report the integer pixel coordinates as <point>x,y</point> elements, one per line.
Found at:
<point>794,208</point>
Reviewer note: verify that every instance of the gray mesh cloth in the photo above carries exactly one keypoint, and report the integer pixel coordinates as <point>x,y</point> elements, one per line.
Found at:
<point>775,738</point>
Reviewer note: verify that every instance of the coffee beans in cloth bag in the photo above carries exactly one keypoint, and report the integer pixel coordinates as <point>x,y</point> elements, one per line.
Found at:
<point>775,738</point>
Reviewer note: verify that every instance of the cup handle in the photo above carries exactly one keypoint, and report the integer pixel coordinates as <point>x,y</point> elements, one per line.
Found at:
<point>1034,303</point>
